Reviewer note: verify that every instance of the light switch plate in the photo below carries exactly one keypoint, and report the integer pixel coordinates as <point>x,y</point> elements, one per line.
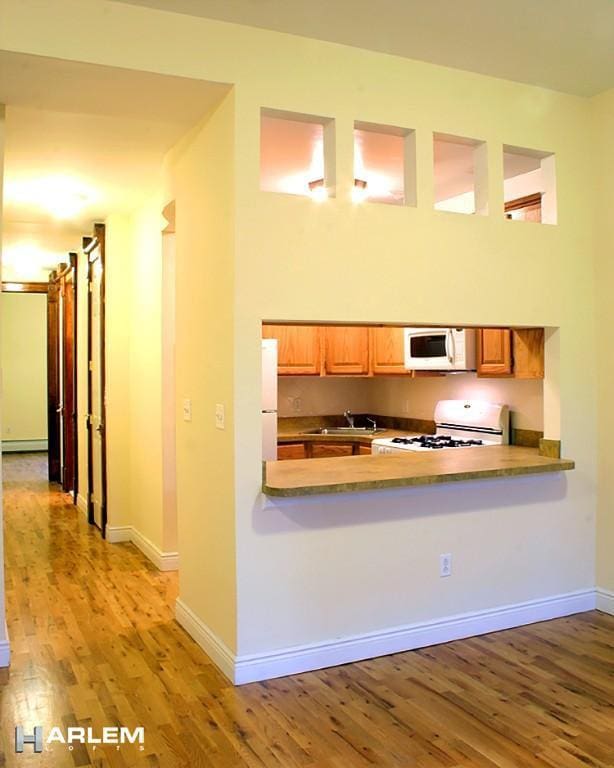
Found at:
<point>220,417</point>
<point>187,410</point>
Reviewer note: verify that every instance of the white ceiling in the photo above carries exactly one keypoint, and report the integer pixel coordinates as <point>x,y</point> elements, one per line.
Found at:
<point>103,128</point>
<point>566,45</point>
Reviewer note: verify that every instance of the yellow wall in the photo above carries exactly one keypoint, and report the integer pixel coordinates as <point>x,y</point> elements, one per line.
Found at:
<point>201,173</point>
<point>134,354</point>
<point>603,113</point>
<point>3,635</point>
<point>24,366</point>
<point>308,570</point>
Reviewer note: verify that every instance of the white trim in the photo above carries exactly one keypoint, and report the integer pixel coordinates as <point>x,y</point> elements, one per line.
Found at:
<point>24,446</point>
<point>164,561</point>
<point>305,658</point>
<point>82,504</point>
<point>216,649</point>
<point>605,600</point>
<point>5,649</point>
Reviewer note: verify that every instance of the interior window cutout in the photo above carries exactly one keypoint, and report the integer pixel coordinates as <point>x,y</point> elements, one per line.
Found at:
<point>460,168</point>
<point>384,164</point>
<point>529,185</point>
<point>297,154</point>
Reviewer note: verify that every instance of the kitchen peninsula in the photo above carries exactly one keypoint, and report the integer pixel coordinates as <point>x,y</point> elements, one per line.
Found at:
<point>349,474</point>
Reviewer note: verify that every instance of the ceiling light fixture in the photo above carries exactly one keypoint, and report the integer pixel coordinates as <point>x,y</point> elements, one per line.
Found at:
<point>63,197</point>
<point>359,190</point>
<point>317,190</point>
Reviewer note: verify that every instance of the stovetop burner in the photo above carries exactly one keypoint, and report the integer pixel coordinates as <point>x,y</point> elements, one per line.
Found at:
<point>436,441</point>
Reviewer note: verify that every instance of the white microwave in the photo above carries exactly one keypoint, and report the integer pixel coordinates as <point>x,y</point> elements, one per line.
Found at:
<point>440,349</point>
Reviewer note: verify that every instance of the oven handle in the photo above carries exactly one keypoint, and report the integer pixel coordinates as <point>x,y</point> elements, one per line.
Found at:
<point>450,345</point>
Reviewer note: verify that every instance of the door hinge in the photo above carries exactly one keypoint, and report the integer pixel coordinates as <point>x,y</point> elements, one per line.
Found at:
<point>90,365</point>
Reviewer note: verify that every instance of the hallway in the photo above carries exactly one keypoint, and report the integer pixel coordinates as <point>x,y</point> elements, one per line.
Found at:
<point>94,643</point>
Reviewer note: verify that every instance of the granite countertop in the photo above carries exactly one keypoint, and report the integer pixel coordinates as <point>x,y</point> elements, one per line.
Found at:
<point>348,474</point>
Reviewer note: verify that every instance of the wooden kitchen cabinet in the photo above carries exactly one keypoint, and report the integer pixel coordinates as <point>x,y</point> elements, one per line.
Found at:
<point>346,350</point>
<point>528,353</point>
<point>388,351</point>
<point>494,352</point>
<point>517,352</point>
<point>298,350</point>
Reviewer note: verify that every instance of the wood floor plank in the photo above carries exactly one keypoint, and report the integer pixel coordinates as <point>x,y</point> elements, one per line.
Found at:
<point>94,643</point>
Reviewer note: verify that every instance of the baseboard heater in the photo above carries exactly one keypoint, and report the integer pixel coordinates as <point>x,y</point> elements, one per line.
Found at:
<point>23,446</point>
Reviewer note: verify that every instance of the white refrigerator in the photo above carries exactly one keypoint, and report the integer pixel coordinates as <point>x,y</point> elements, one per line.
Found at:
<point>269,399</point>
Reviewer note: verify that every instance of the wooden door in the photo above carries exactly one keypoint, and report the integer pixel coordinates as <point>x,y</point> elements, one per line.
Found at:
<point>388,351</point>
<point>54,404</point>
<point>346,350</point>
<point>94,249</point>
<point>298,349</point>
<point>69,377</point>
<point>494,352</point>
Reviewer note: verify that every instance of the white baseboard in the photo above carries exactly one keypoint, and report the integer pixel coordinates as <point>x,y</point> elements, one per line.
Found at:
<point>5,649</point>
<point>605,600</point>
<point>24,446</point>
<point>164,561</point>
<point>305,658</point>
<point>219,653</point>
<point>82,504</point>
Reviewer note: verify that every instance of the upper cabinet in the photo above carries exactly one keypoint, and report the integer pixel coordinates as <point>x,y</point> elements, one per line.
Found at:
<point>517,352</point>
<point>388,351</point>
<point>298,350</point>
<point>494,352</point>
<point>346,350</point>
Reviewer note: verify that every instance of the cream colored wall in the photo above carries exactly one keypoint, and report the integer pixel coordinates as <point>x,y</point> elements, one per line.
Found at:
<point>24,366</point>
<point>4,641</point>
<point>336,567</point>
<point>308,570</point>
<point>202,177</point>
<point>134,372</point>
<point>603,116</point>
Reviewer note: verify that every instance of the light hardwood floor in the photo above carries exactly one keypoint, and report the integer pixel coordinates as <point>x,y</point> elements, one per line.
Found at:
<point>94,643</point>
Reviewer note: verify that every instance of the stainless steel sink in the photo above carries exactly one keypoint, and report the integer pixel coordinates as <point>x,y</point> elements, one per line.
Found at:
<point>344,431</point>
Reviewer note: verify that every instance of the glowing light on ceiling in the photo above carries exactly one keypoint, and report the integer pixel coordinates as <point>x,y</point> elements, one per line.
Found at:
<point>371,184</point>
<point>26,259</point>
<point>63,197</point>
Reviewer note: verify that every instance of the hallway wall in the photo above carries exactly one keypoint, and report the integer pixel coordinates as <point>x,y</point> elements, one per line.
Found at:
<point>5,653</point>
<point>23,346</point>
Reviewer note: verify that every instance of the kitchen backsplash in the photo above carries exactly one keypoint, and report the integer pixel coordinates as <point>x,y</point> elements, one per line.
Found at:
<point>414,398</point>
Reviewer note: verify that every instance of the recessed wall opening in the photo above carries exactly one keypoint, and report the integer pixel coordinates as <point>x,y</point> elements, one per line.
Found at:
<point>384,164</point>
<point>529,185</point>
<point>460,168</point>
<point>297,154</point>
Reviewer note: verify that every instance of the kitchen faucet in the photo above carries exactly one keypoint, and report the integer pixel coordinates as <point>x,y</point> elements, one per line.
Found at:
<point>350,418</point>
<point>368,418</point>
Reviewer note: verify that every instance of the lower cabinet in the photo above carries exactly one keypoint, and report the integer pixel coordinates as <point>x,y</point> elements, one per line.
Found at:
<point>315,450</point>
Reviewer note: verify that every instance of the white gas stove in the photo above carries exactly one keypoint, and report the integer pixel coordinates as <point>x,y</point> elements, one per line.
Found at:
<point>459,424</point>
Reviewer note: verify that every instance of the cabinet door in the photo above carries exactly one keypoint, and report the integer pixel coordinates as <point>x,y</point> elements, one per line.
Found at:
<point>346,350</point>
<point>298,351</point>
<point>494,352</point>
<point>528,345</point>
<point>388,351</point>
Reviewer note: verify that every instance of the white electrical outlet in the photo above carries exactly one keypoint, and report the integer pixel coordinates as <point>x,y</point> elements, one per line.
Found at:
<point>297,405</point>
<point>187,410</point>
<point>445,565</point>
<point>220,417</point>
<point>405,407</point>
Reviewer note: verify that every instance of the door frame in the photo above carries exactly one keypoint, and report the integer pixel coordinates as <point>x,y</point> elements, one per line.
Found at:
<point>59,277</point>
<point>89,245</point>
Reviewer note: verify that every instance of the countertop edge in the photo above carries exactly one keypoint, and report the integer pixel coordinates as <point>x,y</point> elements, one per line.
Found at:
<point>556,465</point>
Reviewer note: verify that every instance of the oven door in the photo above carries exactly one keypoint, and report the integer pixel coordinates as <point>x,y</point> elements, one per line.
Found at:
<point>429,349</point>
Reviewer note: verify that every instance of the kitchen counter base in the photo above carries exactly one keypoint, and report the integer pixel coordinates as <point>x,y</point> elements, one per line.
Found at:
<point>349,474</point>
